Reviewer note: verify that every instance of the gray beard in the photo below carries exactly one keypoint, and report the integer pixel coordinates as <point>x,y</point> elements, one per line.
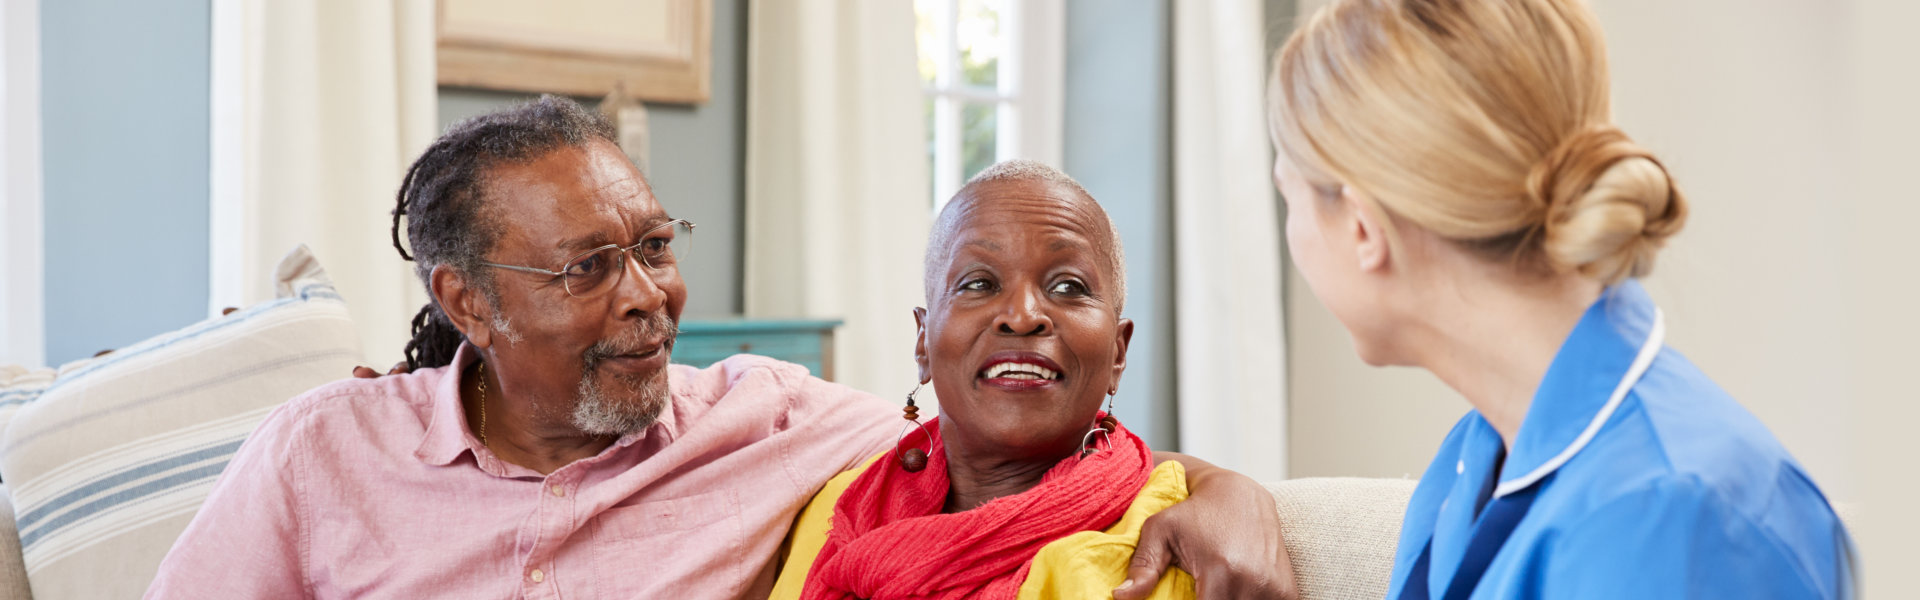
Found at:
<point>632,409</point>
<point>636,403</point>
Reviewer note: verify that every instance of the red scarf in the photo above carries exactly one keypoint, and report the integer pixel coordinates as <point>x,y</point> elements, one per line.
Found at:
<point>890,540</point>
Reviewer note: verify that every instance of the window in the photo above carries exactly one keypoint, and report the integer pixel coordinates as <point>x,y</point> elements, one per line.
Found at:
<point>992,70</point>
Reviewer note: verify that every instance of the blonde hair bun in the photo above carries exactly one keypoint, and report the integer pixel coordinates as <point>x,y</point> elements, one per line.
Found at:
<point>1484,123</point>
<point>1609,205</point>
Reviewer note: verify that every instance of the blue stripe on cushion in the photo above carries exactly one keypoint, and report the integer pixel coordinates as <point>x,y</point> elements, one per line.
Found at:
<point>24,390</point>
<point>319,290</point>
<point>113,480</point>
<point>28,538</point>
<point>21,396</point>
<point>19,438</point>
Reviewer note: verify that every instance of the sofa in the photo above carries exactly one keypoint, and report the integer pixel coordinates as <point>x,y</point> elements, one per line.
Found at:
<point>104,461</point>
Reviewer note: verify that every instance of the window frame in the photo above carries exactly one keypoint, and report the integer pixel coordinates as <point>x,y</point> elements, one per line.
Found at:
<point>1028,96</point>
<point>22,192</point>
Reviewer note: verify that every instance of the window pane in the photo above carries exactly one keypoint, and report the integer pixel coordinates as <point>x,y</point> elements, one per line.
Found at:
<point>978,145</point>
<point>981,43</point>
<point>926,37</point>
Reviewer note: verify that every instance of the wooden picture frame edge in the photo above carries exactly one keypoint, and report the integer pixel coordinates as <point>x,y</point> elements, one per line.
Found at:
<point>514,67</point>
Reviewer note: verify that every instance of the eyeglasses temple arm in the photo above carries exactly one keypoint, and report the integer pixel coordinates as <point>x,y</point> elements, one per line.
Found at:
<point>526,269</point>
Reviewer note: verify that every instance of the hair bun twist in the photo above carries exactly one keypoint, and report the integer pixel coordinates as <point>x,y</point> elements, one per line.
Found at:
<point>1607,205</point>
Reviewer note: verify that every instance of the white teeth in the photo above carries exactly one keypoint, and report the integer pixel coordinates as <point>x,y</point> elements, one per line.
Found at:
<point>1021,371</point>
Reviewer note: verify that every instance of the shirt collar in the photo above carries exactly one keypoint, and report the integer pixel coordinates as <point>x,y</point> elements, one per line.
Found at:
<point>1608,351</point>
<point>448,434</point>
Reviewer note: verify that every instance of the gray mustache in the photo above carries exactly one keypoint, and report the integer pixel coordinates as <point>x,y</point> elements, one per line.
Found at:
<point>631,340</point>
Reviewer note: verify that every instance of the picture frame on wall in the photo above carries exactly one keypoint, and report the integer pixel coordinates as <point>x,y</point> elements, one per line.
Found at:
<point>656,50</point>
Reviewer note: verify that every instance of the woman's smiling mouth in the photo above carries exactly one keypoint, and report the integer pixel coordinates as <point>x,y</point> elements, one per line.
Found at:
<point>1019,371</point>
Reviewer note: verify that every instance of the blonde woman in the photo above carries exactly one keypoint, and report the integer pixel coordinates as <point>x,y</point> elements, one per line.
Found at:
<point>1459,198</point>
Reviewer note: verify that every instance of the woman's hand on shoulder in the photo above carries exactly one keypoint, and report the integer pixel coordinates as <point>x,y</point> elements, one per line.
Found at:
<point>1226,534</point>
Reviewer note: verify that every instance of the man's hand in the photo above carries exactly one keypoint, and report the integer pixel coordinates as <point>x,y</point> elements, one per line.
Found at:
<point>1227,535</point>
<point>369,373</point>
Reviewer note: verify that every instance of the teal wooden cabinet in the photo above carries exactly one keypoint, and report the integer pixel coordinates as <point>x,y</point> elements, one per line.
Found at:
<point>808,342</point>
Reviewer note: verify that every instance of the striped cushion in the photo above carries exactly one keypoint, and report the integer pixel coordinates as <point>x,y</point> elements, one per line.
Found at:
<point>18,386</point>
<point>108,465</point>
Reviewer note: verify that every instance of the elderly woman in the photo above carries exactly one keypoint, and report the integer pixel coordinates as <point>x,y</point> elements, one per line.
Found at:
<point>1023,487</point>
<point>1459,198</point>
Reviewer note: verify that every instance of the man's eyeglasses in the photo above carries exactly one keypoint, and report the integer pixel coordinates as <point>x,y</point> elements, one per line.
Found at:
<point>596,270</point>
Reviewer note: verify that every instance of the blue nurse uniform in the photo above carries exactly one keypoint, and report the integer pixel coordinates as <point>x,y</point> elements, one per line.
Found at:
<point>1632,476</point>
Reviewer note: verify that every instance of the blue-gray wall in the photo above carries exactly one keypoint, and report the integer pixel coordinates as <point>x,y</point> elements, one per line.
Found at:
<point>124,97</point>
<point>698,160</point>
<point>125,102</point>
<point>124,91</point>
<point>1117,137</point>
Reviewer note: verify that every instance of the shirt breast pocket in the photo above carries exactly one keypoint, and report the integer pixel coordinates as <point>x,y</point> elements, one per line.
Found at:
<point>690,542</point>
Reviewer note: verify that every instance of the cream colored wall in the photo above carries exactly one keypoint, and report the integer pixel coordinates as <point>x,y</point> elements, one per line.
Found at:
<point>1750,103</point>
<point>1884,65</point>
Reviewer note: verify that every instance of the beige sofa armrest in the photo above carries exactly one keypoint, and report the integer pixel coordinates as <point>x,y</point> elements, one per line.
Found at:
<point>1341,533</point>
<point>13,572</point>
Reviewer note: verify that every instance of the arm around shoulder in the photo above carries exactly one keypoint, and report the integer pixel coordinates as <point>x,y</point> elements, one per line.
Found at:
<point>842,427</point>
<point>1226,534</point>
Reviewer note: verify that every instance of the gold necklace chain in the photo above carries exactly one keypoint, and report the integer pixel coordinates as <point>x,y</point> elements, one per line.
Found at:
<point>483,405</point>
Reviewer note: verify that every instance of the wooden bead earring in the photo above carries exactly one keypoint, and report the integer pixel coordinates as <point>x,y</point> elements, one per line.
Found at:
<point>913,459</point>
<point>1107,421</point>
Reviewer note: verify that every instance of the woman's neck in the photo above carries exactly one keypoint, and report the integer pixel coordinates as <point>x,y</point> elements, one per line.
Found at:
<point>976,478</point>
<point>1493,342</point>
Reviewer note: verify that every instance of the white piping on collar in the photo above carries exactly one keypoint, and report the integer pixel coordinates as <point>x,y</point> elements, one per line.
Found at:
<point>1648,350</point>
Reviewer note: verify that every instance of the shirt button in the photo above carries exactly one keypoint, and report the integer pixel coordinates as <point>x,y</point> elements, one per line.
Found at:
<point>559,491</point>
<point>1460,467</point>
<point>537,576</point>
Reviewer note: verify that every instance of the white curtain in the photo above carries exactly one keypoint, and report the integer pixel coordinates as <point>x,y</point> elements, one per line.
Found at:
<point>1227,261</point>
<point>23,313</point>
<point>318,108</point>
<point>837,178</point>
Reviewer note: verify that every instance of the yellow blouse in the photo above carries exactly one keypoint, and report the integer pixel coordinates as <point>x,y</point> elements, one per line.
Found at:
<point>1088,564</point>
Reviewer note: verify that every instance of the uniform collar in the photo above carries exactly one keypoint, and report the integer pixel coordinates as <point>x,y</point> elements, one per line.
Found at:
<point>448,434</point>
<point>1608,351</point>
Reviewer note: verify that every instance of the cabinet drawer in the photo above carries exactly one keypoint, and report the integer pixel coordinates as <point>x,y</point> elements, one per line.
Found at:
<point>807,343</point>
<point>775,345</point>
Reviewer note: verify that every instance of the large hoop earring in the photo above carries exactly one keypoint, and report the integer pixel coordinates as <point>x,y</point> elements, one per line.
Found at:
<point>1104,427</point>
<point>1088,447</point>
<point>913,459</point>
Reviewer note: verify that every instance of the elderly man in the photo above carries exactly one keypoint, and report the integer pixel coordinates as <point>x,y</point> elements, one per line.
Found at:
<point>542,446</point>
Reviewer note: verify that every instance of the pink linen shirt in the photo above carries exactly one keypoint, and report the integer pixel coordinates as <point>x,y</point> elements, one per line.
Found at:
<point>374,488</point>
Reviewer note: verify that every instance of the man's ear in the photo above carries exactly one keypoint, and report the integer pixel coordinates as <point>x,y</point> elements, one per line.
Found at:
<point>920,345</point>
<point>1122,339</point>
<point>1369,231</point>
<point>468,308</point>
